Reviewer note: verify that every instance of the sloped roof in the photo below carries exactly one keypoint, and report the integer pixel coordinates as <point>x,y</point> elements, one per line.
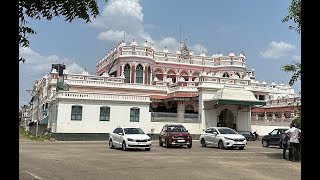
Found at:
<point>234,96</point>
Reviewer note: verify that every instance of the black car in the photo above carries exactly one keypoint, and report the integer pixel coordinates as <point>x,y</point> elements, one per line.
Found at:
<point>248,135</point>
<point>273,138</point>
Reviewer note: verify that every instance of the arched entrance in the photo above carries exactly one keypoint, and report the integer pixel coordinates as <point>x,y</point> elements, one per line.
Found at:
<point>226,118</point>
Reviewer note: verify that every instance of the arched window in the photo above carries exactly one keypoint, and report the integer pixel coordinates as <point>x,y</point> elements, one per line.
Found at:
<point>104,113</point>
<point>127,73</point>
<point>134,114</point>
<point>149,74</point>
<point>76,113</point>
<point>159,74</point>
<point>185,76</point>
<point>139,74</point>
<point>189,109</point>
<point>225,74</point>
<point>194,76</point>
<point>161,107</point>
<point>171,74</point>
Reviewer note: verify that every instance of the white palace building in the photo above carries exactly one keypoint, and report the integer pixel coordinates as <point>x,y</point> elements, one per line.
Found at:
<point>135,85</point>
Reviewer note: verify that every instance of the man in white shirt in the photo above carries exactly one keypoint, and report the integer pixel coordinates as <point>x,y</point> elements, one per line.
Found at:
<point>294,135</point>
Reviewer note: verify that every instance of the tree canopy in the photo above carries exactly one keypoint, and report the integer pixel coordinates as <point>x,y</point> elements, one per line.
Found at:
<point>47,9</point>
<point>295,15</point>
<point>295,68</point>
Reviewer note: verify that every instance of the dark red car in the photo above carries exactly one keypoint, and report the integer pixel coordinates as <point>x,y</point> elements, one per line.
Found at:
<point>175,135</point>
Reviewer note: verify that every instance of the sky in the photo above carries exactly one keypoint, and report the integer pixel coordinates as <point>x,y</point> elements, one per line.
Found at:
<point>252,27</point>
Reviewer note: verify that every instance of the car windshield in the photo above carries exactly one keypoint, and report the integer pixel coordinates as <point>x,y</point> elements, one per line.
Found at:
<point>227,131</point>
<point>176,129</point>
<point>133,131</point>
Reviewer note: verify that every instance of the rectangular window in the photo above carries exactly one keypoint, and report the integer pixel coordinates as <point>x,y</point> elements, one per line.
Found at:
<point>262,97</point>
<point>134,114</point>
<point>76,113</point>
<point>104,113</point>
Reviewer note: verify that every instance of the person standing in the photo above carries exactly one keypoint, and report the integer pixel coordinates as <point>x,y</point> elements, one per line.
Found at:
<point>285,145</point>
<point>294,135</point>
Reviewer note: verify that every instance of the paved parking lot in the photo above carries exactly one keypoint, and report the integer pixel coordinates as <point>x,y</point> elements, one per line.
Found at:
<point>94,160</point>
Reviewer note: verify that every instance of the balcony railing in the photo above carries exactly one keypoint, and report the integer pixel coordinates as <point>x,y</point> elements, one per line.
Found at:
<point>271,121</point>
<point>174,117</point>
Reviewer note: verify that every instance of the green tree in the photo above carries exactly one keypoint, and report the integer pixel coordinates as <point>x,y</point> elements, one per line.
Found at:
<point>295,15</point>
<point>47,9</point>
<point>20,116</point>
<point>295,67</point>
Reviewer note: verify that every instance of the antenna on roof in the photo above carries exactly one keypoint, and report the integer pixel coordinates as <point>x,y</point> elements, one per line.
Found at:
<point>124,36</point>
<point>180,38</point>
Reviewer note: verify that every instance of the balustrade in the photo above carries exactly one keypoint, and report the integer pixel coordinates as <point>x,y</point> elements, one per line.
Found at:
<point>173,117</point>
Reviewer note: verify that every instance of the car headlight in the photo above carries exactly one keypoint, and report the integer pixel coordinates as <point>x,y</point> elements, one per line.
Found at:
<point>130,139</point>
<point>228,138</point>
<point>149,139</point>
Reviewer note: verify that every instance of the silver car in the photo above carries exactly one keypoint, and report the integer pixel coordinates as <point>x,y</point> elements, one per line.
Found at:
<point>223,138</point>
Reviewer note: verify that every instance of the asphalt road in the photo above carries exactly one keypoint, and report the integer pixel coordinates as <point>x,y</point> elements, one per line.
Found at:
<point>94,160</point>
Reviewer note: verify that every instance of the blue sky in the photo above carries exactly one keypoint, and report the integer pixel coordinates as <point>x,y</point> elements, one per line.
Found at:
<point>252,27</point>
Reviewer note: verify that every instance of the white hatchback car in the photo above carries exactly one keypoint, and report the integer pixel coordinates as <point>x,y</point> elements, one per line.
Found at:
<point>222,137</point>
<point>129,137</point>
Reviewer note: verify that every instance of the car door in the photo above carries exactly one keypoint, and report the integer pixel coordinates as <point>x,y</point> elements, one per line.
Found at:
<point>274,137</point>
<point>120,136</point>
<point>163,133</point>
<point>208,136</point>
<point>215,137</point>
<point>116,137</point>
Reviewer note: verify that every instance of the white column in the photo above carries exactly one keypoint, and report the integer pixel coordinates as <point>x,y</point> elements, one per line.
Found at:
<point>180,110</point>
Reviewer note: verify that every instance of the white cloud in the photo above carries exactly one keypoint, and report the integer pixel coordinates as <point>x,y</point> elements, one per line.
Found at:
<point>198,48</point>
<point>36,63</point>
<point>111,35</point>
<point>277,50</point>
<point>169,42</point>
<point>119,16</point>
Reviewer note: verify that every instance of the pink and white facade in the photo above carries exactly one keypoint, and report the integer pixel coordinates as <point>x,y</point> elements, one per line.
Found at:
<point>136,85</point>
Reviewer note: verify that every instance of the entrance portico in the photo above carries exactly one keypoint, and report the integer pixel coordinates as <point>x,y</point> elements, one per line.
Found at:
<point>228,107</point>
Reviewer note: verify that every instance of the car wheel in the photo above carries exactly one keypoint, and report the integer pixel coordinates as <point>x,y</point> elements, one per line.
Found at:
<point>111,144</point>
<point>147,149</point>
<point>220,145</point>
<point>167,143</point>
<point>265,143</point>
<point>124,146</point>
<point>203,143</point>
<point>160,142</point>
<point>241,148</point>
<point>189,146</point>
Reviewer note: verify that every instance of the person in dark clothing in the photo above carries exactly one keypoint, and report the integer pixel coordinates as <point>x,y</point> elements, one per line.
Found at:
<point>285,145</point>
<point>256,135</point>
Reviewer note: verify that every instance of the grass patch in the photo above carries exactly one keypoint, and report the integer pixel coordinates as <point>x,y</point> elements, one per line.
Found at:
<point>23,134</point>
